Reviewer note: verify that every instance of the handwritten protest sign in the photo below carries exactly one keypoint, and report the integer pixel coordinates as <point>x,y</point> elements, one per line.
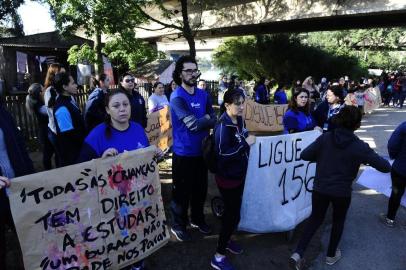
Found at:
<point>263,118</point>
<point>159,128</point>
<point>102,214</point>
<point>278,185</point>
<point>372,99</point>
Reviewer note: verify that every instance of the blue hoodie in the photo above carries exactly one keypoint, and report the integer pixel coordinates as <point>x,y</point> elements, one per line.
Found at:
<point>397,149</point>
<point>231,148</point>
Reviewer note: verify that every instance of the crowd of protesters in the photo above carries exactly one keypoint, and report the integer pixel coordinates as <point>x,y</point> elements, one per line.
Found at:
<point>113,121</point>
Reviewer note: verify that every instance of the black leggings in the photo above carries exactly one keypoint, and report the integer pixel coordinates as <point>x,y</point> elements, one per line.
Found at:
<point>232,198</point>
<point>398,189</point>
<point>320,203</point>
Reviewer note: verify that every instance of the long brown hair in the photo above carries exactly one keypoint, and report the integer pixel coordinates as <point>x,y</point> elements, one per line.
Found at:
<point>52,70</point>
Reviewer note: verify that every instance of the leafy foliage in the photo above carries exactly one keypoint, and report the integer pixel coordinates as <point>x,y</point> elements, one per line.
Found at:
<point>282,57</point>
<point>10,21</point>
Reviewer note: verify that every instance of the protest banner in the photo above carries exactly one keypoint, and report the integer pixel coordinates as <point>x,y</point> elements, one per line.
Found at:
<point>101,214</point>
<point>278,185</point>
<point>372,99</point>
<point>159,128</point>
<point>351,100</point>
<point>378,181</point>
<point>263,118</point>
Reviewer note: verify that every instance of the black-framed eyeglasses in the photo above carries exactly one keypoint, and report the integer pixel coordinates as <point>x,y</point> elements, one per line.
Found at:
<point>191,71</point>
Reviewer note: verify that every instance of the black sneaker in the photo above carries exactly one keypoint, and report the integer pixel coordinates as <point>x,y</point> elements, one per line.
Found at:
<point>181,235</point>
<point>203,227</point>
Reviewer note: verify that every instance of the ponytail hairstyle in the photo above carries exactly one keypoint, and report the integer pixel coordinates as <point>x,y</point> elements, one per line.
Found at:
<point>33,97</point>
<point>60,79</point>
<point>107,119</point>
<point>230,96</point>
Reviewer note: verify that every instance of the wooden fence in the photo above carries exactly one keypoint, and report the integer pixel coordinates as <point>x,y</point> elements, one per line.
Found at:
<point>28,124</point>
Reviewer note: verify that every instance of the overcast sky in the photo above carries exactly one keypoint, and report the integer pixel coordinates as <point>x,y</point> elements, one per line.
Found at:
<point>36,18</point>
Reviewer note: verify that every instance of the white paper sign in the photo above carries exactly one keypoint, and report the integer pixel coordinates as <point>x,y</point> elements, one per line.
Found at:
<point>277,192</point>
<point>381,182</point>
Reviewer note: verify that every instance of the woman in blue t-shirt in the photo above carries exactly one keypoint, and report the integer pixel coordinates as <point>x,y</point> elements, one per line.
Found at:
<point>298,117</point>
<point>116,135</point>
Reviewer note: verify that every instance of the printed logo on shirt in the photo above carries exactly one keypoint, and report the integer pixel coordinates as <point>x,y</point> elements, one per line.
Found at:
<point>195,105</point>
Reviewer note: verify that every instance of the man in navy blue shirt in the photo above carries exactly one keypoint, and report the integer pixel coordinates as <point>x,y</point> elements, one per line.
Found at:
<point>192,117</point>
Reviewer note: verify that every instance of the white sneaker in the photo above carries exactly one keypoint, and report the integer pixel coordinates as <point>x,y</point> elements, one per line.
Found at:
<point>296,262</point>
<point>333,260</point>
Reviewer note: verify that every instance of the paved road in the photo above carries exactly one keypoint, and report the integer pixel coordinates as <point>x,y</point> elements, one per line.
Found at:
<point>366,243</point>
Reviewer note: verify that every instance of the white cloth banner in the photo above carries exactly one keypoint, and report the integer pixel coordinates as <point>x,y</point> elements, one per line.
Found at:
<point>381,182</point>
<point>277,192</point>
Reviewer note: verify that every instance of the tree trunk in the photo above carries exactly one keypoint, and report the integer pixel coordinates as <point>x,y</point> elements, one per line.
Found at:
<point>187,31</point>
<point>99,57</point>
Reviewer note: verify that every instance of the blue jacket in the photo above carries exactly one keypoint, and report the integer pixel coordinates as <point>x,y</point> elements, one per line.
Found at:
<point>261,94</point>
<point>280,97</point>
<point>397,149</point>
<point>17,153</point>
<point>95,111</point>
<point>338,155</point>
<point>297,121</point>
<point>231,148</point>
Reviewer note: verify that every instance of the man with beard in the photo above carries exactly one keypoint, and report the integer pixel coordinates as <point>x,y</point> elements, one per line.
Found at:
<point>192,117</point>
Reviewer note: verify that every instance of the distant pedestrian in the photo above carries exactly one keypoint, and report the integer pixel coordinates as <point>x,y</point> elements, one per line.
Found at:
<point>157,101</point>
<point>280,96</point>
<point>95,109</point>
<point>338,155</point>
<point>262,92</point>
<point>397,151</point>
<point>169,89</point>
<point>138,108</point>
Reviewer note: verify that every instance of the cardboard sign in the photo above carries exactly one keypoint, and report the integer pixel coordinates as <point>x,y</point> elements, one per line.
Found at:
<point>264,118</point>
<point>278,185</point>
<point>101,214</point>
<point>159,128</point>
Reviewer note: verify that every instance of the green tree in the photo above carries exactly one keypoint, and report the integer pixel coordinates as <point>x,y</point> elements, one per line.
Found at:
<point>10,21</point>
<point>282,57</point>
<point>116,19</point>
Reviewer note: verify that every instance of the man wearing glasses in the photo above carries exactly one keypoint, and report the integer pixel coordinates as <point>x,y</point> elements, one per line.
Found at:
<point>192,117</point>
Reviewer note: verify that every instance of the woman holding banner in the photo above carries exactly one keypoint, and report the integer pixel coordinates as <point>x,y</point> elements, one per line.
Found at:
<point>298,118</point>
<point>338,155</point>
<point>232,149</point>
<point>14,162</point>
<point>116,135</point>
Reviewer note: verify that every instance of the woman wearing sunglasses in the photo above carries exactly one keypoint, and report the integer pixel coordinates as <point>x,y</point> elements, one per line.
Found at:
<point>138,108</point>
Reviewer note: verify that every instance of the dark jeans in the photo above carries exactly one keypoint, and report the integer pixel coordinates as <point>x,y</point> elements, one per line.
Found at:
<point>402,98</point>
<point>52,140</point>
<point>232,198</point>
<point>189,186</point>
<point>47,149</point>
<point>398,189</point>
<point>320,203</point>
